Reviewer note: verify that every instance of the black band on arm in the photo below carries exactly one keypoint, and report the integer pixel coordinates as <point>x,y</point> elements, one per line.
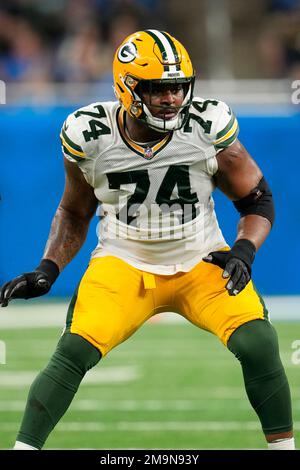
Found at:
<point>50,268</point>
<point>258,202</point>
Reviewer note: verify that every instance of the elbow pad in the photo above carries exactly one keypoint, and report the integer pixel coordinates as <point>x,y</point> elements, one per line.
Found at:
<point>258,202</point>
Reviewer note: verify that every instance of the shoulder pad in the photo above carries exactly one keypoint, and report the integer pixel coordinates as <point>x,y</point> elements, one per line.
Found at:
<point>81,129</point>
<point>70,140</point>
<point>218,122</point>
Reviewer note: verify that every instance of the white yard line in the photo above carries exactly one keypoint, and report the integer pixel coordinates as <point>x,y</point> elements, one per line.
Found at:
<point>147,426</point>
<point>11,406</point>
<point>151,426</point>
<point>19,379</point>
<point>132,405</point>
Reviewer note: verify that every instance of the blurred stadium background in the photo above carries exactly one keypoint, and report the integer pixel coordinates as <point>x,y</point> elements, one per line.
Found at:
<point>170,386</point>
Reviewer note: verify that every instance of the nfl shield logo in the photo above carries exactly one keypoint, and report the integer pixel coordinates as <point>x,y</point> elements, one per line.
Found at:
<point>148,153</point>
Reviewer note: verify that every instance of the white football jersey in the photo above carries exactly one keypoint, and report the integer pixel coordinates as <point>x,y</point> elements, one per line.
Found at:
<point>155,200</point>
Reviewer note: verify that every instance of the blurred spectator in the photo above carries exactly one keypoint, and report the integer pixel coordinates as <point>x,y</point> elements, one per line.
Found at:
<point>74,40</point>
<point>82,57</point>
<point>27,57</point>
<point>284,5</point>
<point>66,40</point>
<point>280,40</point>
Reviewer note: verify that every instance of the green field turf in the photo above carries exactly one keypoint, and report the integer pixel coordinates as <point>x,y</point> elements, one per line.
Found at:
<point>170,386</point>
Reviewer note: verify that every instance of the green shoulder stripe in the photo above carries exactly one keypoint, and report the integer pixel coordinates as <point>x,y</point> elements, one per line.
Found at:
<point>226,128</point>
<point>227,142</point>
<point>70,142</point>
<point>67,152</point>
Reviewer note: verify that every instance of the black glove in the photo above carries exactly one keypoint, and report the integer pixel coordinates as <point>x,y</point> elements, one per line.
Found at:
<point>30,285</point>
<point>236,264</point>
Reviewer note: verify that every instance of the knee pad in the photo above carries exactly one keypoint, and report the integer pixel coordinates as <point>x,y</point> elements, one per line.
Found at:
<point>256,343</point>
<point>78,351</point>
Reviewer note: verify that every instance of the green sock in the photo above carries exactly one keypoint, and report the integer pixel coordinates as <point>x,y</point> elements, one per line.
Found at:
<point>54,388</point>
<point>255,344</point>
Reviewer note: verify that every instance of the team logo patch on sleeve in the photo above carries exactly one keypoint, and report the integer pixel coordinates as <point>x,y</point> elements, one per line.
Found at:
<point>127,52</point>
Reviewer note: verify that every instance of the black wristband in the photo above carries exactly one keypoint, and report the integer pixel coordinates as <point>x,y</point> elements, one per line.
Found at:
<point>50,268</point>
<point>244,250</point>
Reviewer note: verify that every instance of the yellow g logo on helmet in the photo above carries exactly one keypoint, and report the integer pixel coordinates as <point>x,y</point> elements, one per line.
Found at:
<point>127,52</point>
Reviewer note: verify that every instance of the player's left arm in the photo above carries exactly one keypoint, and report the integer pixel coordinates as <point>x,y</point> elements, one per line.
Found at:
<point>240,178</point>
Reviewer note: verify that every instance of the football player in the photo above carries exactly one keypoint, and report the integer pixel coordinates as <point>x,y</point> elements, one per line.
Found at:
<point>151,160</point>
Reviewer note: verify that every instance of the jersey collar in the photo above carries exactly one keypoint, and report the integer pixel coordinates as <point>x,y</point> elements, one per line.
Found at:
<point>147,152</point>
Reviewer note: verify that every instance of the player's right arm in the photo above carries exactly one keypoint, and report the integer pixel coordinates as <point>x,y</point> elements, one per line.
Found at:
<point>71,221</point>
<point>67,235</point>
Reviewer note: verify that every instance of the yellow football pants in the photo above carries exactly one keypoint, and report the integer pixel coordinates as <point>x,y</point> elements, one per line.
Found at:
<point>114,299</point>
